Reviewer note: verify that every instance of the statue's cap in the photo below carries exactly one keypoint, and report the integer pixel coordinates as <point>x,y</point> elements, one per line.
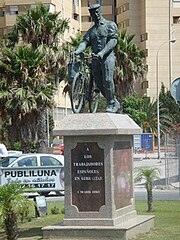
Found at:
<point>94,6</point>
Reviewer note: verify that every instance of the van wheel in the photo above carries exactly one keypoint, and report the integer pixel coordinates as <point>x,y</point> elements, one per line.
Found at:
<point>60,193</point>
<point>46,194</point>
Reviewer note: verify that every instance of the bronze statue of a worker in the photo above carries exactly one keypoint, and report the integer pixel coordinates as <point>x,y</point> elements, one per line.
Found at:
<point>102,38</point>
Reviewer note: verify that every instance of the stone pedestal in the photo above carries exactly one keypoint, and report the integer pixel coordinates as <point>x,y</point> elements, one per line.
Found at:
<point>99,196</point>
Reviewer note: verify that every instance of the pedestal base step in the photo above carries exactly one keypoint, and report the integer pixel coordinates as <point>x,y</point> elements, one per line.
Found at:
<point>124,231</point>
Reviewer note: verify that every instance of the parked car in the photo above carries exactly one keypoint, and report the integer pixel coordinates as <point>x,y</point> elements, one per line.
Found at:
<point>44,172</point>
<point>33,159</point>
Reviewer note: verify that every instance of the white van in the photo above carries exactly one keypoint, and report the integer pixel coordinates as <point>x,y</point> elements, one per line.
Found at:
<point>44,172</point>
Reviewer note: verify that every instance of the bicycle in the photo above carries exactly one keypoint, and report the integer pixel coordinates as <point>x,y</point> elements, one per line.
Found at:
<point>83,87</point>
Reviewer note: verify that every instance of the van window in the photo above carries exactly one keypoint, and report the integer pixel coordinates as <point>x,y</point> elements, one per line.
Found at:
<point>7,161</point>
<point>49,161</point>
<point>26,162</point>
<point>21,163</point>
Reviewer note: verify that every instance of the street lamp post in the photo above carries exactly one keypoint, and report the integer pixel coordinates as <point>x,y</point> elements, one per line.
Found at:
<point>157,88</point>
<point>170,46</point>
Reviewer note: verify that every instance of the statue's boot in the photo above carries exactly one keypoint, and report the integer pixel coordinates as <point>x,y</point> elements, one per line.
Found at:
<point>113,106</point>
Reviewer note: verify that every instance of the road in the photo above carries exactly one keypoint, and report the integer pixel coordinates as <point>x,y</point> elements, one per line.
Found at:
<point>172,194</point>
<point>140,194</point>
<point>155,163</point>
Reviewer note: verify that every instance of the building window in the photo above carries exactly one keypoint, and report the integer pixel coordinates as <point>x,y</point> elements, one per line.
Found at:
<point>76,2</point>
<point>176,20</point>
<point>13,10</point>
<point>122,8</point>
<point>144,37</point>
<point>2,12</point>
<point>144,85</point>
<point>60,113</point>
<point>127,23</point>
<point>76,16</point>
<point>124,24</point>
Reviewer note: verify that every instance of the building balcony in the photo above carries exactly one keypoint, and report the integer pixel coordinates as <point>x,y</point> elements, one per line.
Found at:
<point>2,22</point>
<point>10,20</point>
<point>24,2</point>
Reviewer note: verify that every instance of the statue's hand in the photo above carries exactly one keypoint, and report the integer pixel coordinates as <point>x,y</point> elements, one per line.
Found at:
<point>73,56</point>
<point>99,56</point>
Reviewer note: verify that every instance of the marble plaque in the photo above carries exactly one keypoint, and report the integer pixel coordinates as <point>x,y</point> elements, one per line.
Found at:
<point>87,171</point>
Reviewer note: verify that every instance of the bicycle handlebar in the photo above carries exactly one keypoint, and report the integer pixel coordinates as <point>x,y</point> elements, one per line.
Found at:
<point>83,55</point>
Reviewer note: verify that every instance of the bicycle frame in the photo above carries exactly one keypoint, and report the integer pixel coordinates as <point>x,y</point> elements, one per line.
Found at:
<point>82,86</point>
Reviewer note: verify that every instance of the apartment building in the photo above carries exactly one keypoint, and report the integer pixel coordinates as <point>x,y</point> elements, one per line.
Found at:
<point>153,22</point>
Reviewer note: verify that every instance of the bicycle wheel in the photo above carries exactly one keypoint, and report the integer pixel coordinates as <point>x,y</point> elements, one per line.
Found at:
<point>94,98</point>
<point>77,93</point>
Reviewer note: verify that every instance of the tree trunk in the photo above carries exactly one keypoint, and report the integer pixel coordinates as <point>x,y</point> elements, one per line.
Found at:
<point>13,132</point>
<point>42,138</point>
<point>149,200</point>
<point>28,131</point>
<point>11,225</point>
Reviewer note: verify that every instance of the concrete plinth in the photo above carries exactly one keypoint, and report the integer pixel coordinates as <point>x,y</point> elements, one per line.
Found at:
<point>124,231</point>
<point>99,196</point>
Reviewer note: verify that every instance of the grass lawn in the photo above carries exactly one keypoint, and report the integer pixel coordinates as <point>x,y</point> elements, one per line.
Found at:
<point>32,230</point>
<point>167,221</point>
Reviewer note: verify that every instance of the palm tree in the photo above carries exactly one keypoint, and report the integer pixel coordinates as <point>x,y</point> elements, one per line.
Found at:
<point>73,44</point>
<point>25,92</point>
<point>130,65</point>
<point>149,175</point>
<point>149,123</point>
<point>144,112</point>
<point>168,102</point>
<point>11,201</point>
<point>37,27</point>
